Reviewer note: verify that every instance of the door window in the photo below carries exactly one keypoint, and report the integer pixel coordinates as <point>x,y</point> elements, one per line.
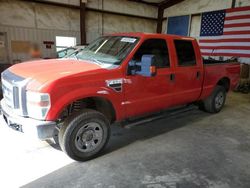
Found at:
<point>156,47</point>
<point>185,52</point>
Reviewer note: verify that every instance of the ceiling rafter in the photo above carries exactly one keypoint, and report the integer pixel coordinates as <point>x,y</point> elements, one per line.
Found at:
<point>145,2</point>
<point>168,3</point>
<point>162,4</point>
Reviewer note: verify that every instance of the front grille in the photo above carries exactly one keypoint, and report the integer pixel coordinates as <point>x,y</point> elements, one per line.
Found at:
<point>8,93</point>
<point>16,97</point>
<point>13,87</point>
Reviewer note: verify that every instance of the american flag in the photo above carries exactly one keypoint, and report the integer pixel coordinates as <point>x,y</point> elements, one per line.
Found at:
<point>226,33</point>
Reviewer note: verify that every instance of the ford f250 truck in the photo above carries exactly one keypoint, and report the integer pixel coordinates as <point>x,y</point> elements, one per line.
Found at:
<point>115,78</point>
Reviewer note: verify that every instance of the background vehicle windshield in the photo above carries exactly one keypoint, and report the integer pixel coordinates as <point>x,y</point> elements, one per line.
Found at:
<point>107,49</point>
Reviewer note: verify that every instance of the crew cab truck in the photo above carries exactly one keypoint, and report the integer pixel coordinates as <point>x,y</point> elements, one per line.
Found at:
<point>115,78</point>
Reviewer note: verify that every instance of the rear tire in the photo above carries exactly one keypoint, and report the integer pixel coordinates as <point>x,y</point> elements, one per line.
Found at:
<point>215,102</point>
<point>84,135</point>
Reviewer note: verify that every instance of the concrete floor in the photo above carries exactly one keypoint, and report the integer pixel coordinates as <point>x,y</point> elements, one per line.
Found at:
<point>190,150</point>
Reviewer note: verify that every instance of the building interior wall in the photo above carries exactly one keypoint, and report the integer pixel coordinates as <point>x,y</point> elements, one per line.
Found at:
<point>36,23</point>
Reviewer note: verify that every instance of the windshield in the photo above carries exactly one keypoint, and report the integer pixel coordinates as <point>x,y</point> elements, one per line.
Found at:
<point>108,49</point>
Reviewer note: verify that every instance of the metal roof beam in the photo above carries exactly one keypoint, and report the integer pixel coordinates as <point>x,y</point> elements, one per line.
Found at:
<point>168,3</point>
<point>144,2</point>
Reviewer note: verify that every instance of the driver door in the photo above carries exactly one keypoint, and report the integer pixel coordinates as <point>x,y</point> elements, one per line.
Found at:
<point>150,94</point>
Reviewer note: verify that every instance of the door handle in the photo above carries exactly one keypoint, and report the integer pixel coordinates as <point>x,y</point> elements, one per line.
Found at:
<point>172,77</point>
<point>198,75</point>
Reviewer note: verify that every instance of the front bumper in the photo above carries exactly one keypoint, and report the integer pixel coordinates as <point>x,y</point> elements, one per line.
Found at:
<point>30,127</point>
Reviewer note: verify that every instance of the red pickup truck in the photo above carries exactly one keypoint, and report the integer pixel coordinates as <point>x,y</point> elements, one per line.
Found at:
<point>115,78</point>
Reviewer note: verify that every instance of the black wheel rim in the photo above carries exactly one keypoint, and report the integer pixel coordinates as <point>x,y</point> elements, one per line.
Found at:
<point>89,137</point>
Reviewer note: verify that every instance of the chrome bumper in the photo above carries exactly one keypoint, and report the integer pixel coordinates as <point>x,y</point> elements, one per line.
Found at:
<point>30,127</point>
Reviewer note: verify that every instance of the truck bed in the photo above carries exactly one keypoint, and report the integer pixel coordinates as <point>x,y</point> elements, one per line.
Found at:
<point>214,61</point>
<point>213,71</point>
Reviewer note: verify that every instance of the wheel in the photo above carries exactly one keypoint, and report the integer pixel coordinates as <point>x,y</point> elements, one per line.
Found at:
<point>84,135</point>
<point>215,102</point>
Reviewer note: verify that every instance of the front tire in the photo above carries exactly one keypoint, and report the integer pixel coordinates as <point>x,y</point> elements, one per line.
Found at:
<point>215,102</point>
<point>84,135</point>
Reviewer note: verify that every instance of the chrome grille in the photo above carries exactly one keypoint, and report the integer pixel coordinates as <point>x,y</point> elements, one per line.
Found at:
<point>13,87</point>
<point>16,97</point>
<point>8,93</point>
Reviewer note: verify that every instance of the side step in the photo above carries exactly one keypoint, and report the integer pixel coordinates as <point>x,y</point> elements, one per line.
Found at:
<point>167,113</point>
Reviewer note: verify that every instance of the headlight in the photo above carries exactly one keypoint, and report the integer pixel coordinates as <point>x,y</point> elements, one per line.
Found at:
<point>38,104</point>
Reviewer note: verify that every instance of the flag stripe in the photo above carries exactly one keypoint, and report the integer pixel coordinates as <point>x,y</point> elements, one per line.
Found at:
<point>226,44</point>
<point>224,40</point>
<point>227,37</point>
<point>237,25</point>
<point>237,29</point>
<point>226,47</point>
<point>237,17</point>
<point>237,21</point>
<point>236,32</point>
<point>238,9</point>
<point>238,13</point>
<point>226,54</point>
<point>226,51</point>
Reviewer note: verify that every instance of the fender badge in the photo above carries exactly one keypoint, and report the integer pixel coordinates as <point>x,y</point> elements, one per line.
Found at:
<point>115,84</point>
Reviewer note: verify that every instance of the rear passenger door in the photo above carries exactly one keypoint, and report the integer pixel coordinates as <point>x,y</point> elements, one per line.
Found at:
<point>188,72</point>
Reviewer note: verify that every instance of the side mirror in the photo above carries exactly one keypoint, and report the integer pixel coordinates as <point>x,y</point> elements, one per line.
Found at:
<point>148,67</point>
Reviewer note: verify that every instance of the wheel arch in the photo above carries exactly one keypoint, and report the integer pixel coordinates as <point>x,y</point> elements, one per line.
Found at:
<point>225,82</point>
<point>98,103</point>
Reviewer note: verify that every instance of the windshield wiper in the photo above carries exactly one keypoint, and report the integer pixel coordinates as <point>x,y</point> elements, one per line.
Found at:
<point>75,55</point>
<point>96,61</point>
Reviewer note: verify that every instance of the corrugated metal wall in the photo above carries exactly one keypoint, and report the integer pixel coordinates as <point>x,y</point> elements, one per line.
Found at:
<point>35,35</point>
<point>36,22</point>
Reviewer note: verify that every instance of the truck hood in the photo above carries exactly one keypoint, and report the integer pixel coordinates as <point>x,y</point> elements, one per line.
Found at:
<point>43,71</point>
